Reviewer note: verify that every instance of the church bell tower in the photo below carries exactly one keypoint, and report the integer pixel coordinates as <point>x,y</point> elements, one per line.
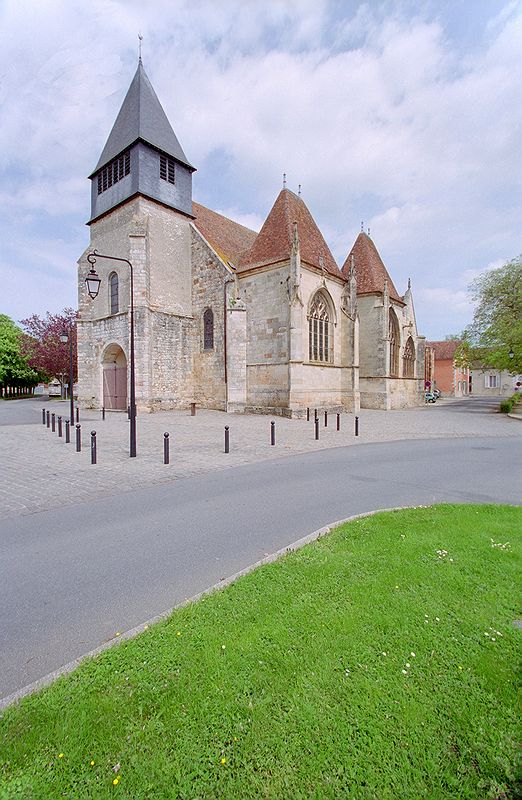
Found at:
<point>142,156</point>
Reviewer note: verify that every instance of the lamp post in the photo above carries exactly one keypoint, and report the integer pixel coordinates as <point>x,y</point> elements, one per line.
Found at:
<point>511,353</point>
<point>64,337</point>
<point>93,282</point>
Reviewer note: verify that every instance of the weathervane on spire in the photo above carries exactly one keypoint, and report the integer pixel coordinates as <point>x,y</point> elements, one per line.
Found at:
<point>284,180</point>
<point>140,37</point>
<point>362,226</point>
<point>299,191</point>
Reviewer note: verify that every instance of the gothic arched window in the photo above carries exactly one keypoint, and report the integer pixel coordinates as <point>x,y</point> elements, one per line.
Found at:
<point>208,329</point>
<point>319,329</point>
<point>408,359</point>
<point>395,342</point>
<point>113,289</point>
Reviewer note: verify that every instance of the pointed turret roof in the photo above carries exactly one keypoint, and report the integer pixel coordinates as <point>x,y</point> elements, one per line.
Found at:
<point>370,269</point>
<point>141,116</point>
<point>274,241</point>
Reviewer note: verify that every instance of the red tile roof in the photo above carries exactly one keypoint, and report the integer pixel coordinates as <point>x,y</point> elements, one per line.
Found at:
<point>274,241</point>
<point>369,268</point>
<point>228,238</point>
<point>444,350</point>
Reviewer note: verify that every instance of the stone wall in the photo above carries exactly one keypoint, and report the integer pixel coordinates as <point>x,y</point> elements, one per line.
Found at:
<point>170,339</point>
<point>208,277</point>
<point>265,294</point>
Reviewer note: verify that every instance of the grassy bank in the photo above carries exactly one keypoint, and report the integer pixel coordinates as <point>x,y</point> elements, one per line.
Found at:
<point>378,662</point>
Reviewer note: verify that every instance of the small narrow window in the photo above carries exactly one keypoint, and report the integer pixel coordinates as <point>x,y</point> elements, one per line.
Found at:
<point>113,288</point>
<point>167,169</point>
<point>208,329</point>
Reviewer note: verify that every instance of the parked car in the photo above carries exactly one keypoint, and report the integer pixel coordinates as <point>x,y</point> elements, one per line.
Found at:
<point>429,397</point>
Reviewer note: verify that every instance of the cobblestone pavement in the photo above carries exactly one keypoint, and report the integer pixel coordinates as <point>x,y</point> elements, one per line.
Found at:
<point>38,471</point>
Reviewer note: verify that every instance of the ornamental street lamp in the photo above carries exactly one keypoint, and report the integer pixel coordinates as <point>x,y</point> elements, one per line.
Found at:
<point>93,282</point>
<point>511,354</point>
<point>64,338</point>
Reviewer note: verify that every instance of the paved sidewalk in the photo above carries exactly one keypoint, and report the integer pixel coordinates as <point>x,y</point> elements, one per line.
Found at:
<point>38,471</point>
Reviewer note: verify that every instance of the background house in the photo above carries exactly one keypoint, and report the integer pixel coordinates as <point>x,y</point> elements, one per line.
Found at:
<point>451,380</point>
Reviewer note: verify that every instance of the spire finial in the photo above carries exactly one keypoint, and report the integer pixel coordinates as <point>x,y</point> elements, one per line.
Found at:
<point>284,180</point>
<point>299,191</point>
<point>362,226</point>
<point>368,232</point>
<point>140,37</point>
<point>409,283</point>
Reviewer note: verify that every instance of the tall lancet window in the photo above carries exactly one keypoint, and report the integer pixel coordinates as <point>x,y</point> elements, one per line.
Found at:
<point>208,329</point>
<point>113,293</point>
<point>408,359</point>
<point>319,329</point>
<point>395,341</point>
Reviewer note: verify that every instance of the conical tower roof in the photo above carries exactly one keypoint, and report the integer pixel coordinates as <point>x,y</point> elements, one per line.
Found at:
<point>370,269</point>
<point>141,117</point>
<point>274,241</point>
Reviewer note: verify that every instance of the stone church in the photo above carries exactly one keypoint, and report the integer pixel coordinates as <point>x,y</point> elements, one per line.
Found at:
<point>226,317</point>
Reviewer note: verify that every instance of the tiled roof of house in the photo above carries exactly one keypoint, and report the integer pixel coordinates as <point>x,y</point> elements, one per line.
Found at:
<point>228,238</point>
<point>369,267</point>
<point>141,116</point>
<point>444,350</point>
<point>274,241</point>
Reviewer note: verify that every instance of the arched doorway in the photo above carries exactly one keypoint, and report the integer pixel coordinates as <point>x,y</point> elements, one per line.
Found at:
<point>114,366</point>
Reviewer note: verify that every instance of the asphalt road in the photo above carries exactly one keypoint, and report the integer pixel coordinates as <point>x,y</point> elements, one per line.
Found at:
<point>69,580</point>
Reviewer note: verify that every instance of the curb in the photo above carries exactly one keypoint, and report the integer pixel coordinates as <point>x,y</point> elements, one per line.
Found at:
<point>41,683</point>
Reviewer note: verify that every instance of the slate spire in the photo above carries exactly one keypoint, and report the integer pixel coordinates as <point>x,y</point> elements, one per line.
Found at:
<point>141,117</point>
<point>142,156</point>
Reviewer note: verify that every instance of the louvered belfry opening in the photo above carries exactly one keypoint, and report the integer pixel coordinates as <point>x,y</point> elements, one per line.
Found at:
<point>167,169</point>
<point>115,170</point>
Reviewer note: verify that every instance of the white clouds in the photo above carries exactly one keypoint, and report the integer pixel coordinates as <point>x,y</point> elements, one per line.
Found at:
<point>377,112</point>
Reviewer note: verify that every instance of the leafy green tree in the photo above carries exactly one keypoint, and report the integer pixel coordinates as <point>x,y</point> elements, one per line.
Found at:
<point>14,367</point>
<point>496,330</point>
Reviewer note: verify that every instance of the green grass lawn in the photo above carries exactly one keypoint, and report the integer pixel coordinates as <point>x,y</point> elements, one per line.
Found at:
<point>379,662</point>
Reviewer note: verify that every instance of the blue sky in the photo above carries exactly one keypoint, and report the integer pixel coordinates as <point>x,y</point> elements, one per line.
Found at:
<point>406,115</point>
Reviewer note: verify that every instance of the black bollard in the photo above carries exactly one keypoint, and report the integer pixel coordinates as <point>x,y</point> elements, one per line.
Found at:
<point>53,422</point>
<point>317,427</point>
<point>192,409</point>
<point>308,414</point>
<point>67,432</point>
<point>60,427</point>
<point>338,422</point>
<point>357,426</point>
<point>77,413</point>
<point>43,416</point>
<point>315,414</point>
<point>93,447</point>
<point>78,438</point>
<point>227,439</point>
<point>48,418</point>
<point>326,419</point>
<point>103,412</point>
<point>272,433</point>
<point>166,458</point>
